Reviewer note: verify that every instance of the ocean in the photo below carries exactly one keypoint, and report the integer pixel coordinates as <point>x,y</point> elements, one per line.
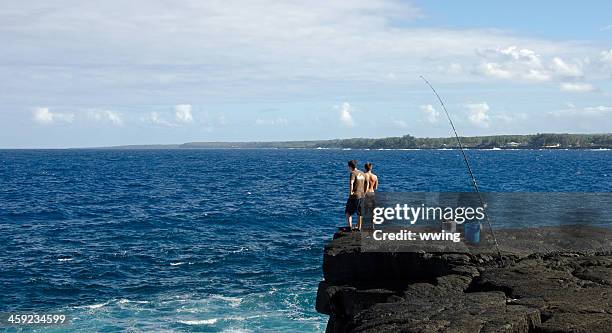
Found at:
<point>214,240</point>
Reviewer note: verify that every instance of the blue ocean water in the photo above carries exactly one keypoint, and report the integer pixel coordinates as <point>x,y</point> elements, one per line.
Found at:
<point>213,240</point>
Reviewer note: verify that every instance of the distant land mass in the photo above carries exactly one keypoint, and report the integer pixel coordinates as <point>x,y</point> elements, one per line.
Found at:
<point>531,141</point>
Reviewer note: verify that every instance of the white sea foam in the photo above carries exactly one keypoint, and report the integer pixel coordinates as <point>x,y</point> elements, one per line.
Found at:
<point>241,249</point>
<point>233,301</point>
<point>125,301</point>
<point>199,322</point>
<point>64,259</point>
<point>92,306</point>
<point>239,318</point>
<point>308,319</point>
<point>183,298</point>
<point>176,263</point>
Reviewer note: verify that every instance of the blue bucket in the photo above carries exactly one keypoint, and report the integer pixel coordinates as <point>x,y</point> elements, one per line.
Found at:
<point>472,232</point>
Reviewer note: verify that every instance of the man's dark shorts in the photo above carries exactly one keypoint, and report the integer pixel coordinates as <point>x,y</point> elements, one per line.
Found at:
<point>354,205</point>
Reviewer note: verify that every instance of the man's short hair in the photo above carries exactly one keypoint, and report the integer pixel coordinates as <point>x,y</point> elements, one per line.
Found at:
<point>368,166</point>
<point>352,164</point>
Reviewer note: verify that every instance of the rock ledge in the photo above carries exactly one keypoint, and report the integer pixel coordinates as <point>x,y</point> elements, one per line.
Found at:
<point>553,279</point>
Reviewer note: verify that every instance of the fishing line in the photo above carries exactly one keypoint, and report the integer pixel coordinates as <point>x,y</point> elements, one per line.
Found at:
<point>469,167</point>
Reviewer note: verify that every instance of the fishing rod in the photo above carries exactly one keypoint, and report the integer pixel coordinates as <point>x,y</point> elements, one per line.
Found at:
<point>469,167</point>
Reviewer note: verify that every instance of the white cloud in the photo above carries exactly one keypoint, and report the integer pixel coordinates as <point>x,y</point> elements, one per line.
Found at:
<point>563,68</point>
<point>513,63</point>
<point>292,41</point>
<point>525,64</point>
<point>113,117</point>
<point>431,114</point>
<point>606,58</point>
<point>43,115</point>
<point>522,55</point>
<point>478,114</point>
<point>606,28</point>
<point>345,114</point>
<point>183,113</point>
<point>537,75</point>
<point>577,87</point>
<point>280,121</point>
<point>598,109</point>
<point>303,49</point>
<point>157,119</point>
<point>496,70</point>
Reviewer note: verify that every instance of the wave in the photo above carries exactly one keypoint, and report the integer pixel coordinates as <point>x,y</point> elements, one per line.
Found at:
<point>213,321</point>
<point>125,301</point>
<point>199,322</point>
<point>92,306</point>
<point>238,318</point>
<point>308,319</point>
<point>114,302</point>
<point>240,250</point>
<point>233,301</point>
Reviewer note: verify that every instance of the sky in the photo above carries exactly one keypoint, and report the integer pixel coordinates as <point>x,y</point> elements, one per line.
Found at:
<point>87,74</point>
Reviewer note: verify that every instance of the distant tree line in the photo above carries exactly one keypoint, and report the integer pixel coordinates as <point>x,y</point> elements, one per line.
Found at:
<point>534,141</point>
<point>551,141</point>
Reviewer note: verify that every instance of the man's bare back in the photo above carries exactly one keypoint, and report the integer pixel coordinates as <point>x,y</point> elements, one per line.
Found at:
<point>371,181</point>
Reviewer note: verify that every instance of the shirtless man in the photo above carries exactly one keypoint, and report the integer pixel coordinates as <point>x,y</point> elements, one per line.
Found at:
<point>357,188</point>
<point>371,179</point>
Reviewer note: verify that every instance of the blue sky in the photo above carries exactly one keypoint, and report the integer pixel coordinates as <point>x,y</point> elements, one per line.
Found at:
<point>78,74</point>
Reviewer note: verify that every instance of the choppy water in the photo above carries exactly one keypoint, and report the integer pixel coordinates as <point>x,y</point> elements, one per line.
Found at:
<point>213,240</point>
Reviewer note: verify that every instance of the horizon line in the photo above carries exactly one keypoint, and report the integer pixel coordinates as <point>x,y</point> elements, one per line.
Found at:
<point>168,145</point>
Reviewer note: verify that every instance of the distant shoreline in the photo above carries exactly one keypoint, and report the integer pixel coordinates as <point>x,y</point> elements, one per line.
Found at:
<point>533,141</point>
<point>307,148</point>
<point>407,142</point>
<point>131,148</point>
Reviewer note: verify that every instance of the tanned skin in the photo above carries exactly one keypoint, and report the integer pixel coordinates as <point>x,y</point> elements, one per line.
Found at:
<point>371,181</point>
<point>349,218</point>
